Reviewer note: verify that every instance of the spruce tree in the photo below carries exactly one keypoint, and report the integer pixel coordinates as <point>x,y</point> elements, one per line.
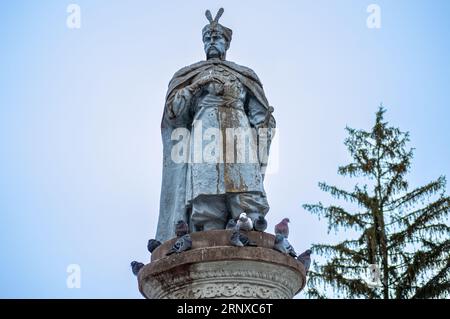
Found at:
<point>405,233</point>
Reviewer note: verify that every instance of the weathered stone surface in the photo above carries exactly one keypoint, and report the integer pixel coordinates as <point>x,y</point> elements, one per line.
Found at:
<point>214,269</point>
<point>210,173</point>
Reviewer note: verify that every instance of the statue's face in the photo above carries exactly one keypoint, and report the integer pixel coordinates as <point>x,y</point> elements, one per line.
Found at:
<point>215,45</point>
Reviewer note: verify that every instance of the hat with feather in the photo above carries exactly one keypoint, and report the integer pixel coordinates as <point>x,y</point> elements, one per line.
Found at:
<point>215,26</point>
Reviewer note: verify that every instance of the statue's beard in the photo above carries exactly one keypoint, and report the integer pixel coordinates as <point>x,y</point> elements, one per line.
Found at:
<point>214,52</point>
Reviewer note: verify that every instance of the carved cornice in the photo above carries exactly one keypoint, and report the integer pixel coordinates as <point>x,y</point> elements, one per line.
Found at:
<point>215,269</point>
<point>224,279</point>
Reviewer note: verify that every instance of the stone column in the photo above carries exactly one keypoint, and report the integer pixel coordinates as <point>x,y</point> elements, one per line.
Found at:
<point>215,269</point>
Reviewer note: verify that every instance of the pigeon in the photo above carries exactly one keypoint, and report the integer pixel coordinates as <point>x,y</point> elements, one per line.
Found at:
<point>231,224</point>
<point>305,259</point>
<point>240,240</point>
<point>182,244</point>
<point>260,223</point>
<point>235,240</point>
<point>244,223</point>
<point>279,244</point>
<point>181,228</point>
<point>153,244</point>
<point>289,248</point>
<point>246,241</point>
<point>282,228</point>
<point>136,266</point>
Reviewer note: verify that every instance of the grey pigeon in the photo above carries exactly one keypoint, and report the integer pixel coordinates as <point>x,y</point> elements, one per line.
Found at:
<point>235,240</point>
<point>305,259</point>
<point>246,241</point>
<point>244,223</point>
<point>181,228</point>
<point>282,228</point>
<point>153,244</point>
<point>240,240</point>
<point>136,266</point>
<point>279,244</point>
<point>231,224</point>
<point>260,223</point>
<point>289,248</point>
<point>182,244</point>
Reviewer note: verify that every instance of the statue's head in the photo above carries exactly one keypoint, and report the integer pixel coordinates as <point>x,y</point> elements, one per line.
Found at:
<point>216,37</point>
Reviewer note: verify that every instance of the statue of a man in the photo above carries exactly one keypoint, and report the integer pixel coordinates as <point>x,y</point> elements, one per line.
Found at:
<point>218,103</point>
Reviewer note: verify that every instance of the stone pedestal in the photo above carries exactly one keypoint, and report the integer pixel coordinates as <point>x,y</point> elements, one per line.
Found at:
<point>215,269</point>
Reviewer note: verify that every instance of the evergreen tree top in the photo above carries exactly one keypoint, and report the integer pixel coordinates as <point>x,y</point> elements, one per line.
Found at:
<point>403,232</point>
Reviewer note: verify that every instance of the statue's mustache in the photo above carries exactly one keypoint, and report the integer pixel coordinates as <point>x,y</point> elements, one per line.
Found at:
<point>212,46</point>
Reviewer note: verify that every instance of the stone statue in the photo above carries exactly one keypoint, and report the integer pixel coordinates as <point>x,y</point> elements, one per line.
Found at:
<point>216,129</point>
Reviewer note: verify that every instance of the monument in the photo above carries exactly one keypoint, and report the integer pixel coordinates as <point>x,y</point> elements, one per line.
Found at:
<point>217,128</point>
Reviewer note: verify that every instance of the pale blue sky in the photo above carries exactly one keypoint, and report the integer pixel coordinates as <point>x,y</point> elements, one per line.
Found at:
<point>80,114</point>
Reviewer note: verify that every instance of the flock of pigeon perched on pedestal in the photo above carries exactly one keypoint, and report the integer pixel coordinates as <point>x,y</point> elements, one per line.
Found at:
<point>238,238</point>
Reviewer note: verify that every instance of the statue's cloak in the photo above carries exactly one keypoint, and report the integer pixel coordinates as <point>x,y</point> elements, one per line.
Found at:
<point>173,191</point>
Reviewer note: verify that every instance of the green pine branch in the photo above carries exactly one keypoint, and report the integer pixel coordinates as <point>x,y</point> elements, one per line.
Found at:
<point>405,233</point>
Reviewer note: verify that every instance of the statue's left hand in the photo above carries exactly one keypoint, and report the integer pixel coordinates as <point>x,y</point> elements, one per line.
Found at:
<point>205,80</point>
